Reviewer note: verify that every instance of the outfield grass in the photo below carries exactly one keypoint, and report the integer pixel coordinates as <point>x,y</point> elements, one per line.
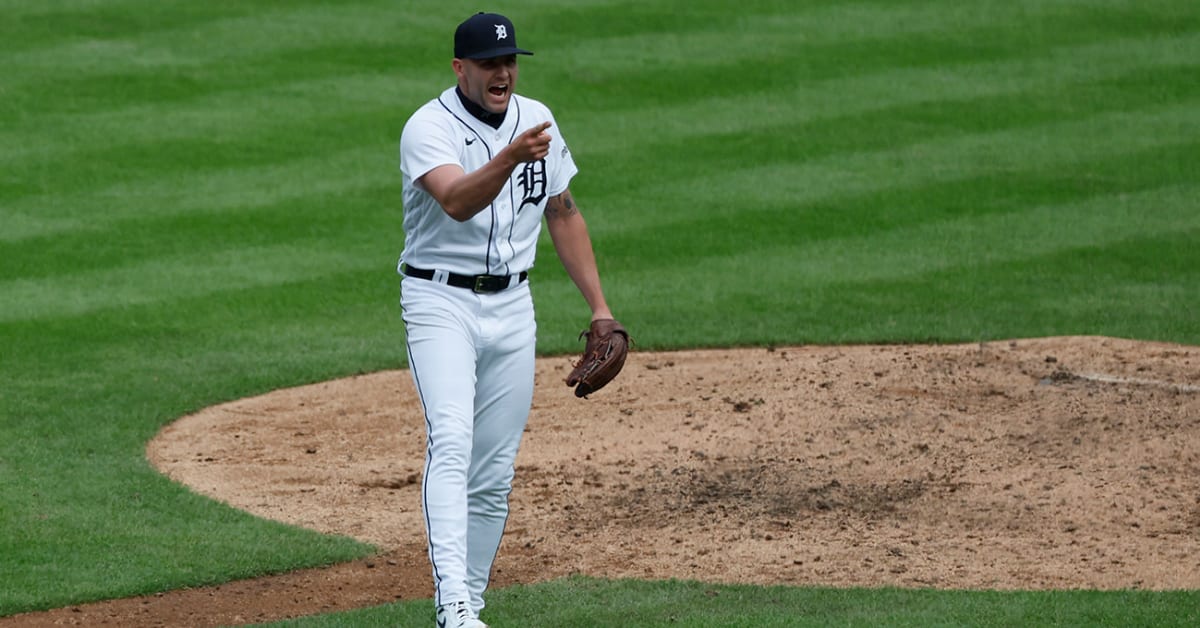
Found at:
<point>580,601</point>
<point>200,201</point>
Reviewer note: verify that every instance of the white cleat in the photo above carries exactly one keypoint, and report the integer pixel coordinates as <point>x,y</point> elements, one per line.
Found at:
<point>458,615</point>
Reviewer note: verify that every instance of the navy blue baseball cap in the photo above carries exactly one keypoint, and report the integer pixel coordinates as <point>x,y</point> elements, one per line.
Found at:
<point>486,35</point>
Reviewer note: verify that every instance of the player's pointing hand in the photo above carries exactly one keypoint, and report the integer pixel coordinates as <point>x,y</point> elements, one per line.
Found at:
<point>532,145</point>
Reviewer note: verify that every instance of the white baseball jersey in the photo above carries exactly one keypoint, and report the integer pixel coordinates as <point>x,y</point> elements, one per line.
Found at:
<point>501,239</point>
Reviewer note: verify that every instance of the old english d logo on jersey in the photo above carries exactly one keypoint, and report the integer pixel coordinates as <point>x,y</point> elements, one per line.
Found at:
<point>533,183</point>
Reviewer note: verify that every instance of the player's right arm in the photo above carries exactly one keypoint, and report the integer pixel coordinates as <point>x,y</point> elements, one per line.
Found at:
<point>462,194</point>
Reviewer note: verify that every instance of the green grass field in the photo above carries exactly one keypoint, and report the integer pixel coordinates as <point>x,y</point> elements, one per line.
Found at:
<point>201,201</point>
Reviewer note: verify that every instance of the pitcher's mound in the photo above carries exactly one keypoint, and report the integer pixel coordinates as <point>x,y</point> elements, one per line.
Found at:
<point>1050,463</point>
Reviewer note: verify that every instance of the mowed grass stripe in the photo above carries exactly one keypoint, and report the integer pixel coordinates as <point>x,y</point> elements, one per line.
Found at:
<point>668,69</point>
<point>655,36</point>
<point>228,114</point>
<point>818,257</point>
<point>188,274</point>
<point>359,215</point>
<point>138,178</point>
<point>56,37</point>
<point>951,242</point>
<point>178,336</point>
<point>214,117</point>
<point>186,349</point>
<point>116,242</point>
<point>101,127</point>
<point>1094,290</point>
<point>225,121</point>
<point>119,243</point>
<point>268,32</point>
<point>679,61</point>
<point>242,36</point>
<point>212,189</point>
<point>838,287</point>
<point>739,191</point>
<point>784,223</point>
<point>941,160</point>
<point>113,58</point>
<point>38,26</point>
<point>376,54</point>
<point>1151,278</point>
<point>799,98</point>
<point>714,154</point>
<point>973,240</point>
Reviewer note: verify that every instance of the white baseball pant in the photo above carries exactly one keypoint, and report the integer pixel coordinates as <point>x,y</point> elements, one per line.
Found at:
<point>472,358</point>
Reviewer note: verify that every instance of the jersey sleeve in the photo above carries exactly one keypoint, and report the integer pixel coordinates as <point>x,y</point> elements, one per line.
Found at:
<point>425,145</point>
<point>563,166</point>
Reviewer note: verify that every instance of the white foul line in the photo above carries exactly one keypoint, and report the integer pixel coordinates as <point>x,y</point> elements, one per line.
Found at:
<point>1111,379</point>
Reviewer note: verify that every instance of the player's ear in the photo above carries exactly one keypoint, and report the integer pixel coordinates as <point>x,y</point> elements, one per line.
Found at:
<point>457,66</point>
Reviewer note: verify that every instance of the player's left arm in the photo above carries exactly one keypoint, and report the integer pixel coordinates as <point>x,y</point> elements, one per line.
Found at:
<point>569,233</point>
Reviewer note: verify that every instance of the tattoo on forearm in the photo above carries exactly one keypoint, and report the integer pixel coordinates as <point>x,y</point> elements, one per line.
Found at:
<point>561,206</point>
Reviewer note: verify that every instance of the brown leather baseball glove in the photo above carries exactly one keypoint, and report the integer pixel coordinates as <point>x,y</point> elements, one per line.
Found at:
<point>603,356</point>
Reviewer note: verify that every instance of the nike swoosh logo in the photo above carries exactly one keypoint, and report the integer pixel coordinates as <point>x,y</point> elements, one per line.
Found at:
<point>469,142</point>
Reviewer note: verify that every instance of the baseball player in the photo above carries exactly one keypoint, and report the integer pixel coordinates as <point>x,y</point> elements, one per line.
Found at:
<point>481,167</point>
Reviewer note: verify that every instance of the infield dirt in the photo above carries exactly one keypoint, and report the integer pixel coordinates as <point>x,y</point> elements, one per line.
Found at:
<point>1054,463</point>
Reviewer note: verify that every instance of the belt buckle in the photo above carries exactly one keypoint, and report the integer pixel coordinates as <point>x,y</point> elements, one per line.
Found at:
<point>485,284</point>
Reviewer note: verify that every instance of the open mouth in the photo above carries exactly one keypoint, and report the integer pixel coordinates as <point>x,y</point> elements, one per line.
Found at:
<point>498,90</point>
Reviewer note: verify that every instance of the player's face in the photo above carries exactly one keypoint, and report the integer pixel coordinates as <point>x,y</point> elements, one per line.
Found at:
<point>488,82</point>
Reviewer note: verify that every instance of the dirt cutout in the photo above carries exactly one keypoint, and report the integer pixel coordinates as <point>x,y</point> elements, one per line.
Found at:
<point>1053,463</point>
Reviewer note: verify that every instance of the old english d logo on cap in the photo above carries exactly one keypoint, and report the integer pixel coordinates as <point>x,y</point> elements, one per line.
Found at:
<point>486,35</point>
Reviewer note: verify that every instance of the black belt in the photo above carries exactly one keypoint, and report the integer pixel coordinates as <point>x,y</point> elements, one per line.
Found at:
<point>482,284</point>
